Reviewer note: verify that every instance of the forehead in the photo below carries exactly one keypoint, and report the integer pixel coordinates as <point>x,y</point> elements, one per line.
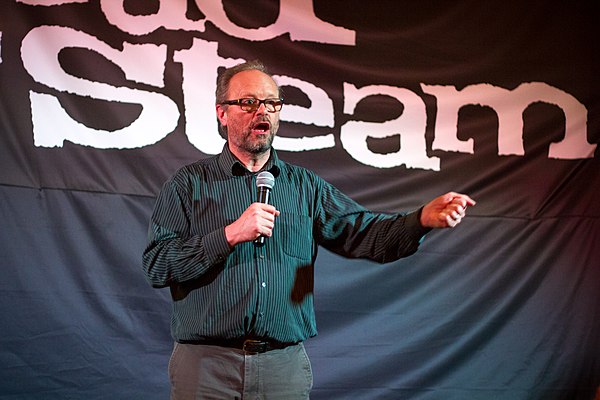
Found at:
<point>252,83</point>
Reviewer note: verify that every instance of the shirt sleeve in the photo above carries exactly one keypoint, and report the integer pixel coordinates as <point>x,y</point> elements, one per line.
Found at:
<point>173,254</point>
<point>349,229</point>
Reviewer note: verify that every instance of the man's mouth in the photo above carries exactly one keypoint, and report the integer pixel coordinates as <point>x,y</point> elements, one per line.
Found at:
<point>261,127</point>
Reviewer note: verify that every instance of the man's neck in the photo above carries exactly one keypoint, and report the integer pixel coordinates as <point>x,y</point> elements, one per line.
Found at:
<point>252,162</point>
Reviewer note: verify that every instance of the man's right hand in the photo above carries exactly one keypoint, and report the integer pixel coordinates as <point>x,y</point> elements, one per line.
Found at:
<point>257,220</point>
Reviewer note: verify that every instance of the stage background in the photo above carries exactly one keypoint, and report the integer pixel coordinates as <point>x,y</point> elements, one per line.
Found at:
<point>101,101</point>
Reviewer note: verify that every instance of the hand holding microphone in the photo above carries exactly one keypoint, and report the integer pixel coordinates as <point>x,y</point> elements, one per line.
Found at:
<point>257,221</point>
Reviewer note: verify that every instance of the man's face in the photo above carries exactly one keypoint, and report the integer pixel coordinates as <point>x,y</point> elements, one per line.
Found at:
<point>250,132</point>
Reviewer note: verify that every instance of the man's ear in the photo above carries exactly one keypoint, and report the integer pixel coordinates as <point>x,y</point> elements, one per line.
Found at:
<point>221,115</point>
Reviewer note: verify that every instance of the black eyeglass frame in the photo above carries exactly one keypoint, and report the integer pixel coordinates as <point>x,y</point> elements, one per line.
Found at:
<point>271,105</point>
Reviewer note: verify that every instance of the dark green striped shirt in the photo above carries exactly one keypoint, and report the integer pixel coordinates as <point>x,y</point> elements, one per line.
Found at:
<point>249,291</point>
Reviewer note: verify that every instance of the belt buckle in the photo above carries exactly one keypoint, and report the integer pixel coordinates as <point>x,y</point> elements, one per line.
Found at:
<point>254,346</point>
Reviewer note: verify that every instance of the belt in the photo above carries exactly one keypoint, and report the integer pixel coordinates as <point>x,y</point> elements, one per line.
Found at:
<point>250,346</point>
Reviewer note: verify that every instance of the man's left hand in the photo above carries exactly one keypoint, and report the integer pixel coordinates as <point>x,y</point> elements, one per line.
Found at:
<point>445,211</point>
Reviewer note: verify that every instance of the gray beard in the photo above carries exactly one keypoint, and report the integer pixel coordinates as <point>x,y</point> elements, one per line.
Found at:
<point>259,147</point>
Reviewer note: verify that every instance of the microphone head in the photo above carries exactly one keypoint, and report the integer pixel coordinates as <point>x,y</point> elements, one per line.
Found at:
<point>265,179</point>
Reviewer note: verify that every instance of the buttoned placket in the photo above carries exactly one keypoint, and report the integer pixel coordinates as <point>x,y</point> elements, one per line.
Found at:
<point>260,262</point>
<point>261,274</point>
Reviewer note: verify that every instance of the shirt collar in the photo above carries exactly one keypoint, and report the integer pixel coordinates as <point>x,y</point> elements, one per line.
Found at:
<point>233,167</point>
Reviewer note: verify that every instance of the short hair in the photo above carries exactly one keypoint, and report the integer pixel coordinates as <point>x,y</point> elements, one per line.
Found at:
<point>225,77</point>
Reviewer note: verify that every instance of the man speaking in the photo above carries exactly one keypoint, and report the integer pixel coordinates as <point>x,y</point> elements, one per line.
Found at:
<point>240,268</point>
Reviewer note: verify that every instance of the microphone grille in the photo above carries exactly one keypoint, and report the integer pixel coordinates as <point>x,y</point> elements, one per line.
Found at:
<point>266,179</point>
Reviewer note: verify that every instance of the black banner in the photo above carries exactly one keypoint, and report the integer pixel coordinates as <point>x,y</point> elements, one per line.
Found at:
<point>393,102</point>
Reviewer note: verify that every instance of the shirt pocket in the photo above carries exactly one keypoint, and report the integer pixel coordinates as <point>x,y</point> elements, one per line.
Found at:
<point>297,236</point>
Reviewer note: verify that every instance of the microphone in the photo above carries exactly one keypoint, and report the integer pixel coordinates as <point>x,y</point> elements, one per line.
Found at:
<point>264,182</point>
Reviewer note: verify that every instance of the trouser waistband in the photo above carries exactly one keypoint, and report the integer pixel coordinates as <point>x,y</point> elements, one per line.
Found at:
<point>253,346</point>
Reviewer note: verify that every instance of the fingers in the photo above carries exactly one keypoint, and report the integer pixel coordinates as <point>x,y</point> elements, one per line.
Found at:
<point>453,218</point>
<point>266,225</point>
<point>257,220</point>
<point>461,199</point>
<point>266,208</point>
<point>452,222</point>
<point>263,218</point>
<point>456,208</point>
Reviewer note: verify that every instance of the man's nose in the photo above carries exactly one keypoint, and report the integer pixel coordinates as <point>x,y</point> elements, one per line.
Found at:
<point>262,109</point>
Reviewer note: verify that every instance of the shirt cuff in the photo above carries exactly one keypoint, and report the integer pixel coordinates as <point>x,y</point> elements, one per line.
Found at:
<point>216,246</point>
<point>413,225</point>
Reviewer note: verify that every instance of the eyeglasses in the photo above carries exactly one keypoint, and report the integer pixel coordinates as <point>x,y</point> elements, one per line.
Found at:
<point>251,104</point>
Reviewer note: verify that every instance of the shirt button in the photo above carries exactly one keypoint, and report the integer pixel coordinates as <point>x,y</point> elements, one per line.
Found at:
<point>264,284</point>
<point>261,256</point>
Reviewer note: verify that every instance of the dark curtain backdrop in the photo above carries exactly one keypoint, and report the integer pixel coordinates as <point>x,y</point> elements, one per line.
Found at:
<point>394,102</point>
